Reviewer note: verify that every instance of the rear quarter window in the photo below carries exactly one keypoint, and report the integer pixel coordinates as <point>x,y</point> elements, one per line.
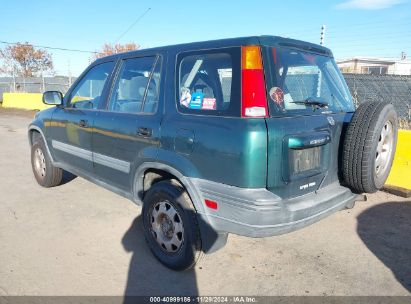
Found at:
<point>208,82</point>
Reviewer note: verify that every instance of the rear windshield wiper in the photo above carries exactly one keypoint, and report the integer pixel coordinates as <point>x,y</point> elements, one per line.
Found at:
<point>312,102</point>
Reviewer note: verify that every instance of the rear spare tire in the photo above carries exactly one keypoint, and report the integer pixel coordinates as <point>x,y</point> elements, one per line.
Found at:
<point>369,146</point>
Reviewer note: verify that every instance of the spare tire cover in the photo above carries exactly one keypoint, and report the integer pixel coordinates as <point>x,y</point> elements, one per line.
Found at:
<point>369,147</point>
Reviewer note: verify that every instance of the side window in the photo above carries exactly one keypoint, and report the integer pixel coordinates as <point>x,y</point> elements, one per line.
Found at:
<point>209,82</point>
<point>87,93</point>
<point>137,86</point>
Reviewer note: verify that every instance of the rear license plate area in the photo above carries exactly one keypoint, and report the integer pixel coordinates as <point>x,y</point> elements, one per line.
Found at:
<point>306,155</point>
<point>303,160</point>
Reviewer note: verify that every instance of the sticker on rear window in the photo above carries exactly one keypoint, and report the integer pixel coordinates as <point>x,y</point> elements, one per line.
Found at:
<point>209,104</point>
<point>277,95</point>
<point>185,97</point>
<point>196,101</point>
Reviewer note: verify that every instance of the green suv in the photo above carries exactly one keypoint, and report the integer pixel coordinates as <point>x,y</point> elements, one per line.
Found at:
<point>256,136</point>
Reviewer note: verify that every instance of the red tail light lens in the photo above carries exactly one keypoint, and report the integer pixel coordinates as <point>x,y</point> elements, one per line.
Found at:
<point>253,95</point>
<point>211,204</point>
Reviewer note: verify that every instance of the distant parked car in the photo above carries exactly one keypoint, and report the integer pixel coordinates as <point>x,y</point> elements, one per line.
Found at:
<point>255,136</point>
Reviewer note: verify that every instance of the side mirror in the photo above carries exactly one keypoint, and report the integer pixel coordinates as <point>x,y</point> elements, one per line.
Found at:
<point>54,98</point>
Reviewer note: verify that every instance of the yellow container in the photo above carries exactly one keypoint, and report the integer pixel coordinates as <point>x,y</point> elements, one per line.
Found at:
<point>400,174</point>
<point>26,101</point>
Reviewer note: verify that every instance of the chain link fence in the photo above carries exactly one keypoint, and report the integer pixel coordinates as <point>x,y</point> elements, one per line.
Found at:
<point>395,89</point>
<point>34,84</point>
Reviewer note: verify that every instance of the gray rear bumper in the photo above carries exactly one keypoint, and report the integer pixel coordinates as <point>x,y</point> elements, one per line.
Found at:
<point>260,213</point>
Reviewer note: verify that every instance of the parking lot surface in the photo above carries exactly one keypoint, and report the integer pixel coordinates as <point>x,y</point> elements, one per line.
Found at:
<point>79,239</point>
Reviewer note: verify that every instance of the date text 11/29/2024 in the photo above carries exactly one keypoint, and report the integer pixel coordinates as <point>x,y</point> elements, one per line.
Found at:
<point>204,299</point>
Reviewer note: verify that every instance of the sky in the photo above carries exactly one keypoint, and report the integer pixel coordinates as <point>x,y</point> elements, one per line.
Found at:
<point>371,28</point>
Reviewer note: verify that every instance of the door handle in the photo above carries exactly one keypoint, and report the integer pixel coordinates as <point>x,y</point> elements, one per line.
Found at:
<point>83,123</point>
<point>145,132</point>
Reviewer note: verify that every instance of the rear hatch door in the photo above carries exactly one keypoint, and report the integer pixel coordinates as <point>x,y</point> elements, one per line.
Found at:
<point>309,105</point>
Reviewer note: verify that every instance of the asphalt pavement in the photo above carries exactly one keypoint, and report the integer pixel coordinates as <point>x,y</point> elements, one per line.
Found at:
<point>80,239</point>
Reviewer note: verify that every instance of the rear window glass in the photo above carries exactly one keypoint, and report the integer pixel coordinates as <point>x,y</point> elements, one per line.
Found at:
<point>300,79</point>
<point>208,82</point>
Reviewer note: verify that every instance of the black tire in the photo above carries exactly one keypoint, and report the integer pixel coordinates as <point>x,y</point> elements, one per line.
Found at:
<point>187,249</point>
<point>364,142</point>
<point>45,173</point>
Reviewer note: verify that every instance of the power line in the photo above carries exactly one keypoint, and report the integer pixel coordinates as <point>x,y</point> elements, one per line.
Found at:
<point>50,47</point>
<point>362,26</point>
<point>373,23</point>
<point>389,42</point>
<point>131,26</point>
<point>378,34</point>
<point>352,35</point>
<point>351,27</point>
<point>372,26</point>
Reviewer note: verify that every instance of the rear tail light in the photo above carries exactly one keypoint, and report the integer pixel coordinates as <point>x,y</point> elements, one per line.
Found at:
<point>253,95</point>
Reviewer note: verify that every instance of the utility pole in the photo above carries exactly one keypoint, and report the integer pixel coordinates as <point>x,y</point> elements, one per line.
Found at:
<point>43,83</point>
<point>319,79</point>
<point>14,79</point>
<point>322,35</point>
<point>69,73</point>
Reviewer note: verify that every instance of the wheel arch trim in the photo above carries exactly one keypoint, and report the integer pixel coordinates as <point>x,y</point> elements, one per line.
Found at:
<point>211,239</point>
<point>138,183</point>
<point>38,129</point>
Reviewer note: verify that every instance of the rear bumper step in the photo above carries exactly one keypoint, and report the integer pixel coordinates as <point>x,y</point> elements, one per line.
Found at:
<point>260,213</point>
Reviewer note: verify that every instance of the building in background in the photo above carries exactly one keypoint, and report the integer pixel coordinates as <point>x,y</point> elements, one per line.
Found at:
<point>376,66</point>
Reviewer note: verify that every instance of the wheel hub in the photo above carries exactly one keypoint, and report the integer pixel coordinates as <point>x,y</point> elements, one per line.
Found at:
<point>166,226</point>
<point>384,149</point>
<point>39,163</point>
